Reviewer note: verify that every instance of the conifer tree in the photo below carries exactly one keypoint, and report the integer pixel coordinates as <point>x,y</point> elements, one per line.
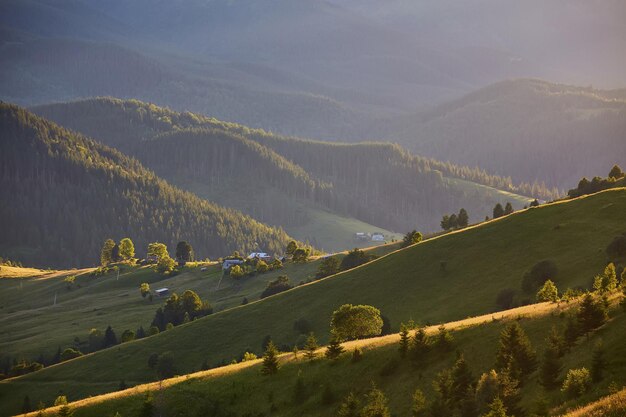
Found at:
<point>445,340</point>
<point>334,348</point>
<point>404,340</point>
<point>418,405</point>
<point>598,362</point>
<point>591,314</point>
<point>376,405</point>
<point>515,351</point>
<point>420,345</point>
<point>147,408</point>
<point>26,407</point>
<point>462,379</point>
<point>550,368</point>
<point>349,407</point>
<point>572,331</point>
<point>556,341</point>
<point>508,209</point>
<point>498,211</point>
<point>127,248</point>
<point>497,409</point>
<point>310,347</point>
<point>270,360</point>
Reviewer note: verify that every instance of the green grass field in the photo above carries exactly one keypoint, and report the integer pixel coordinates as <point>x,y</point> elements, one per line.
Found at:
<point>241,390</point>
<point>408,284</point>
<point>31,324</point>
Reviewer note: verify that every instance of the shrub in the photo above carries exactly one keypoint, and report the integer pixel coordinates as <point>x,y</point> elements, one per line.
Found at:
<point>356,321</point>
<point>165,366</point>
<point>577,382</point>
<point>70,353</point>
<point>355,258</point>
<point>280,284</point>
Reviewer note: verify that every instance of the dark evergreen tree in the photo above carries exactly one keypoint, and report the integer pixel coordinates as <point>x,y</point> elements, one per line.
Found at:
<point>270,360</point>
<point>572,331</point>
<point>404,340</point>
<point>375,405</point>
<point>616,172</point>
<point>498,211</point>
<point>598,362</point>
<point>444,341</point>
<point>463,218</point>
<point>515,351</point>
<point>147,408</point>
<point>462,380</point>
<point>550,368</point>
<point>420,345</point>
<point>591,314</point>
<point>349,407</point>
<point>110,339</point>
<point>334,349</point>
<point>508,209</point>
<point>310,347</point>
<point>106,253</point>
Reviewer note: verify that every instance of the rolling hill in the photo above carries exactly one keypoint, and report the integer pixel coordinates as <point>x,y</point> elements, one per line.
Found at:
<point>291,182</point>
<point>316,388</point>
<point>529,130</point>
<point>344,63</point>
<point>467,269</point>
<point>64,194</point>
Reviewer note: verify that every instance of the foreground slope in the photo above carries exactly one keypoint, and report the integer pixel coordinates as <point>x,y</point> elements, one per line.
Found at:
<point>316,388</point>
<point>451,277</point>
<point>64,194</point>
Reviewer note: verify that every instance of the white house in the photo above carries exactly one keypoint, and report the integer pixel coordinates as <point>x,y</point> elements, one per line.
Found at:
<point>378,237</point>
<point>230,262</point>
<point>261,255</point>
<point>161,292</point>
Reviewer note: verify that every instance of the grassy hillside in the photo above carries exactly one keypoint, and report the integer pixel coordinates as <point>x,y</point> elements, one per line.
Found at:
<point>270,177</point>
<point>465,269</point>
<point>240,389</point>
<point>27,298</point>
<point>530,130</point>
<point>68,194</point>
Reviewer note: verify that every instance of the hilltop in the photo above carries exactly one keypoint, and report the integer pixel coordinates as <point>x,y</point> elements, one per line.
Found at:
<point>467,269</point>
<point>68,194</point>
<point>344,64</point>
<point>301,185</point>
<point>526,129</point>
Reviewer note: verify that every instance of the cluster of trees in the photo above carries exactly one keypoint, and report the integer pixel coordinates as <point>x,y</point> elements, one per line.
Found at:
<point>116,252</point>
<point>251,267</point>
<point>276,286</point>
<point>455,221</point>
<point>498,211</point>
<point>331,265</point>
<point>298,254</point>
<point>614,179</point>
<point>49,172</point>
<point>180,309</point>
<point>411,238</point>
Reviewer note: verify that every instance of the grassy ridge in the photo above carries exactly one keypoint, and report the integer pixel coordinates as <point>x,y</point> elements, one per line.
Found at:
<point>407,284</point>
<point>241,389</point>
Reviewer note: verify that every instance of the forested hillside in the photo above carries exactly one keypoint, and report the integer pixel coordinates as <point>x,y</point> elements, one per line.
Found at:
<point>64,194</point>
<point>529,130</point>
<point>268,175</point>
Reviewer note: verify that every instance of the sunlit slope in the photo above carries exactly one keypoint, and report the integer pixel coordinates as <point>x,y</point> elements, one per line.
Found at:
<point>408,284</point>
<point>476,338</point>
<point>39,314</point>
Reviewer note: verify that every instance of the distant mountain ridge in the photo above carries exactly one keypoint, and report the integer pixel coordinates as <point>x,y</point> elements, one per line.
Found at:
<point>64,194</point>
<point>528,129</point>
